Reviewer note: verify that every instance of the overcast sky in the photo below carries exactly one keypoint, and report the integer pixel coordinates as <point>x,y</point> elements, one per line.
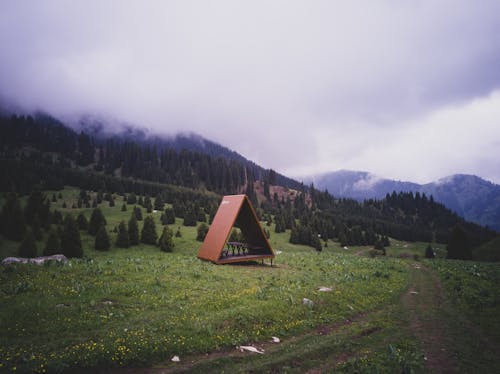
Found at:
<point>406,89</point>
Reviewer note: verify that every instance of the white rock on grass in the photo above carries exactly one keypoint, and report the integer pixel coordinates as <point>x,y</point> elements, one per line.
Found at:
<point>175,359</point>
<point>325,289</point>
<point>275,339</point>
<point>249,348</point>
<point>308,302</point>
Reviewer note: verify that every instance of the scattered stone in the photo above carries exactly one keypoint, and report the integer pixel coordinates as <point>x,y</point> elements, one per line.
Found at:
<point>346,248</point>
<point>325,289</point>
<point>35,260</point>
<point>175,359</point>
<point>279,252</point>
<point>350,307</point>
<point>413,292</point>
<point>275,339</point>
<point>308,302</point>
<point>249,348</point>
<point>62,305</point>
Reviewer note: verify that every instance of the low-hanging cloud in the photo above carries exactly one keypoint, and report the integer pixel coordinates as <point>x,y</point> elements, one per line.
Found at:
<point>299,86</point>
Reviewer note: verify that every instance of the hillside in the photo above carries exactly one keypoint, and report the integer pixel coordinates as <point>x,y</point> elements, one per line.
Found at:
<point>473,198</point>
<point>41,152</point>
<point>489,251</point>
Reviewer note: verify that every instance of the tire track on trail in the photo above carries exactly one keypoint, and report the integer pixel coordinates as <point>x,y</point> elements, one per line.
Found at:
<point>422,303</point>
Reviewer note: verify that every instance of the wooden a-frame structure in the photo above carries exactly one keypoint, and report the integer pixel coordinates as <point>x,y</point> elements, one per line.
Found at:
<point>235,210</point>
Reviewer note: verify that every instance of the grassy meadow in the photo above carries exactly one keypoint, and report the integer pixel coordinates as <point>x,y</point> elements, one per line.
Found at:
<point>140,306</point>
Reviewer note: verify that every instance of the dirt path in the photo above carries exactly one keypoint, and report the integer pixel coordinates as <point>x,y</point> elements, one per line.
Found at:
<point>324,348</point>
<point>422,303</point>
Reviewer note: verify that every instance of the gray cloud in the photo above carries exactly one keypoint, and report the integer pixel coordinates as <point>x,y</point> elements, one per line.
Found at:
<point>299,86</point>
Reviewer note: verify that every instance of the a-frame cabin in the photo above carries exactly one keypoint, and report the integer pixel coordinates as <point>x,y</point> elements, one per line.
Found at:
<point>235,211</point>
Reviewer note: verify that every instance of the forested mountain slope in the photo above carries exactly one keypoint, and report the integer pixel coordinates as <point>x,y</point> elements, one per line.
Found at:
<point>41,152</point>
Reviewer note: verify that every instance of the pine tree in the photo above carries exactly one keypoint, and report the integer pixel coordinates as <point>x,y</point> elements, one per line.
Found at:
<point>148,205</point>
<point>316,243</point>
<point>131,199</point>
<point>133,230</point>
<point>57,217</point>
<point>166,242</point>
<point>138,213</point>
<point>458,246</point>
<point>102,242</point>
<point>28,245</point>
<point>36,227</point>
<point>189,217</point>
<point>168,217</point>
<point>71,243</point>
<point>82,222</point>
<point>122,239</point>
<point>429,252</point>
<point>159,204</point>
<point>124,207</point>
<point>178,233</point>
<point>13,224</point>
<point>148,233</point>
<point>202,231</point>
<point>96,221</point>
<point>53,244</point>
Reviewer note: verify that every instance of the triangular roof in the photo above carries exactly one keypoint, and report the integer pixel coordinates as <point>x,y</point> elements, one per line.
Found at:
<point>235,210</point>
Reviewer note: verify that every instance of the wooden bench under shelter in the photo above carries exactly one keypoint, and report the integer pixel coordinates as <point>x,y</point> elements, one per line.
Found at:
<point>235,211</point>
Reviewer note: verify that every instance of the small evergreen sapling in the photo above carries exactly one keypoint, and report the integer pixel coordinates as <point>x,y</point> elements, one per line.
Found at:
<point>138,213</point>
<point>166,242</point>
<point>122,239</point>
<point>96,221</point>
<point>133,230</point>
<point>82,222</point>
<point>202,231</point>
<point>148,233</point>
<point>429,252</point>
<point>102,242</point>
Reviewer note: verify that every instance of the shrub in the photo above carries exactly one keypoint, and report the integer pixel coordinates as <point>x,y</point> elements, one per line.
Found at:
<point>429,252</point>
<point>202,231</point>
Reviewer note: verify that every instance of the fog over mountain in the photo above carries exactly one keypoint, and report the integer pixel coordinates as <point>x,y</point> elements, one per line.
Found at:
<point>409,90</point>
<point>473,198</point>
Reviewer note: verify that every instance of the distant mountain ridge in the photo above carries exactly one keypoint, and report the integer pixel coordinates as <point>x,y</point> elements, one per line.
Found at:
<point>470,196</point>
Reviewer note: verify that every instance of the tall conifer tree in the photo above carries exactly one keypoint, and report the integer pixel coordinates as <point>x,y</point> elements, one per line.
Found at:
<point>71,242</point>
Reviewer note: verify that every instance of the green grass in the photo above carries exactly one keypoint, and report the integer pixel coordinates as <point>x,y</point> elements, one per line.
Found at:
<point>140,306</point>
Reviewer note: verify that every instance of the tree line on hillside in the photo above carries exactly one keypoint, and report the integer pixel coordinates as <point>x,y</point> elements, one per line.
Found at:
<point>32,158</point>
<point>154,160</point>
<point>37,221</point>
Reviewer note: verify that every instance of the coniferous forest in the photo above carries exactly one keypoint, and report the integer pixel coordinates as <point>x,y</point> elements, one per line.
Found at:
<point>40,153</point>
